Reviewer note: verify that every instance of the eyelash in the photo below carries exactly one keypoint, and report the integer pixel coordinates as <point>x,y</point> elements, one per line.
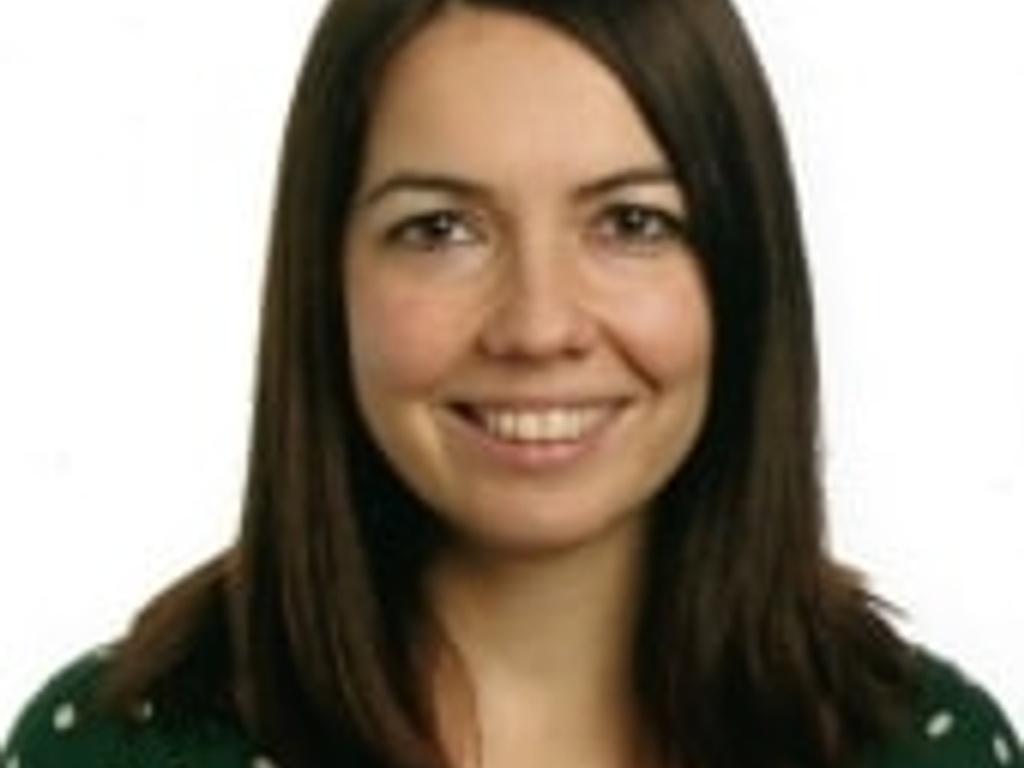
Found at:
<point>433,231</point>
<point>625,226</point>
<point>638,225</point>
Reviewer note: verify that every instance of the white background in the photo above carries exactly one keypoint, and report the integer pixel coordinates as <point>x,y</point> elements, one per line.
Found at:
<point>137,148</point>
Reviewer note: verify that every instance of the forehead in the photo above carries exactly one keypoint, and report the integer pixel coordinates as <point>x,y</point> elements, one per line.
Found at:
<point>492,87</point>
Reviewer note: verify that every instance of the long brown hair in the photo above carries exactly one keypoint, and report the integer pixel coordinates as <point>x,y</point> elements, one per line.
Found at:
<point>754,646</point>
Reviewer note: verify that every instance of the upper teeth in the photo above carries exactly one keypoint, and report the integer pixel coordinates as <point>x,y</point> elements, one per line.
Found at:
<point>547,425</point>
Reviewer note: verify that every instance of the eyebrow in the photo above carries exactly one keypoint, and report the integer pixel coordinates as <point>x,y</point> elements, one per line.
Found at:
<point>641,176</point>
<point>415,181</point>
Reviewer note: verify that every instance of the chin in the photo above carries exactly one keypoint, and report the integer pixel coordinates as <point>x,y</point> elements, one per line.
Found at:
<point>539,535</point>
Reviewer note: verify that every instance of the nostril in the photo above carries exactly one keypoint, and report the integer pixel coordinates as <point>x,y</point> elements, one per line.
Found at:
<point>539,321</point>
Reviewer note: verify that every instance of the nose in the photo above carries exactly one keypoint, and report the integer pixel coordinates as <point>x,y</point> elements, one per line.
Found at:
<point>540,311</point>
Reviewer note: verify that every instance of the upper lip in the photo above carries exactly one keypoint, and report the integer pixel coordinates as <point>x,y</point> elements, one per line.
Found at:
<point>537,403</point>
<point>537,397</point>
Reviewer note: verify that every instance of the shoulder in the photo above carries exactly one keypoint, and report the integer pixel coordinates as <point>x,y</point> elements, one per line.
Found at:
<point>63,727</point>
<point>956,723</point>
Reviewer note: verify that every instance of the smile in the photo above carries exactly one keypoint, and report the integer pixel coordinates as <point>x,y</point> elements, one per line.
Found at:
<point>559,424</point>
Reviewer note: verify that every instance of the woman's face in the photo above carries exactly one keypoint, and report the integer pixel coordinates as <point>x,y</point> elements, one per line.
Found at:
<point>530,333</point>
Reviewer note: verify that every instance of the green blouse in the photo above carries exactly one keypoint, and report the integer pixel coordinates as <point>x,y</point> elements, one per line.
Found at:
<point>957,725</point>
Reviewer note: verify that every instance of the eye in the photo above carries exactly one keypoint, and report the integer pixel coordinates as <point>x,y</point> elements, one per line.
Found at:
<point>634,226</point>
<point>434,231</point>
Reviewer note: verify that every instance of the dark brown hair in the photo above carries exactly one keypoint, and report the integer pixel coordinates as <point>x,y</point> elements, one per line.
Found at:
<point>754,647</point>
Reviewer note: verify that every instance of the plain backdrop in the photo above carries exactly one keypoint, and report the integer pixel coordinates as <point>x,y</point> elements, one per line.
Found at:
<point>138,142</point>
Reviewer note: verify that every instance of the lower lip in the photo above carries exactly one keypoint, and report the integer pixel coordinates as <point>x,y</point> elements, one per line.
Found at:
<point>533,456</point>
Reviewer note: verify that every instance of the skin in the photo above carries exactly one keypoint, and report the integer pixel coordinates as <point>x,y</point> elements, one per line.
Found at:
<point>531,348</point>
<point>517,285</point>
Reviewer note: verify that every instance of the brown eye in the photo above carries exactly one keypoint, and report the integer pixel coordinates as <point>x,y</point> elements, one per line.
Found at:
<point>632,225</point>
<point>433,231</point>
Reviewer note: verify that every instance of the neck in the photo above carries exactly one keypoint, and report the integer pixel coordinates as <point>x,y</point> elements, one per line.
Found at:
<point>541,670</point>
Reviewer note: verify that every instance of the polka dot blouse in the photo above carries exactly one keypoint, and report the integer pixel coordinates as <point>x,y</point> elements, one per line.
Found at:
<point>957,725</point>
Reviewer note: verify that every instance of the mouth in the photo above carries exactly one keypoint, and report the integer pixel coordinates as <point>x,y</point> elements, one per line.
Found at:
<point>536,425</point>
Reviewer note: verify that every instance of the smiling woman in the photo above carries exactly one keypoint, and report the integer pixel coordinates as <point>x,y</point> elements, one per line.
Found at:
<point>530,335</point>
<point>534,475</point>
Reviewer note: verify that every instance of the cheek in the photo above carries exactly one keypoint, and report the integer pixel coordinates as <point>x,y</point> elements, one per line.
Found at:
<point>400,340</point>
<point>669,334</point>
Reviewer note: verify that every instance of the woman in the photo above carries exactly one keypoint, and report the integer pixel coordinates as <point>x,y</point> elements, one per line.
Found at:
<point>534,473</point>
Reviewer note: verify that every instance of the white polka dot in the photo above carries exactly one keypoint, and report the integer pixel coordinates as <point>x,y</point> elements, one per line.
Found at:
<point>144,711</point>
<point>262,762</point>
<point>939,724</point>
<point>1001,750</point>
<point>64,717</point>
<point>12,762</point>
